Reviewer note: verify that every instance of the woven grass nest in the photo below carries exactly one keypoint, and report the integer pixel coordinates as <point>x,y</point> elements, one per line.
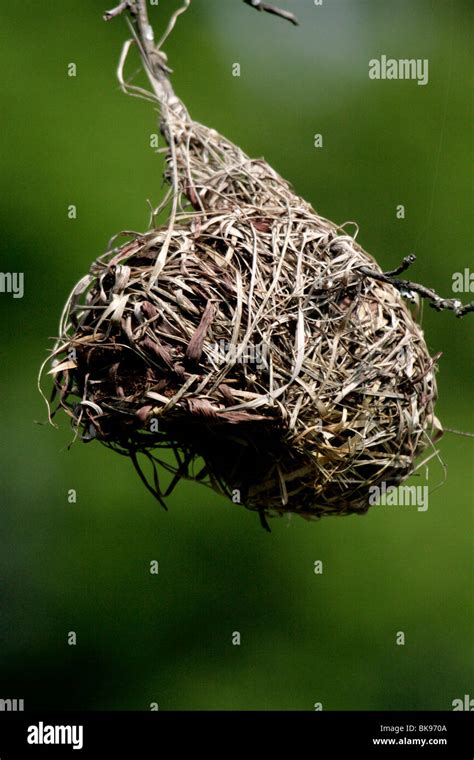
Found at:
<point>243,337</point>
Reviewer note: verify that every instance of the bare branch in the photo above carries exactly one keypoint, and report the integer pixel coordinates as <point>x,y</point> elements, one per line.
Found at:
<point>259,6</point>
<point>407,261</point>
<point>154,60</point>
<point>116,11</point>
<point>407,287</point>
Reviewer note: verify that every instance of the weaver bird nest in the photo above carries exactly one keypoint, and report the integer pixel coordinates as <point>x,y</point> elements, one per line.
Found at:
<point>248,337</point>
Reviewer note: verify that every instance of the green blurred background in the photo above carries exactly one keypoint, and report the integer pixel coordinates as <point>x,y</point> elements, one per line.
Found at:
<point>305,638</point>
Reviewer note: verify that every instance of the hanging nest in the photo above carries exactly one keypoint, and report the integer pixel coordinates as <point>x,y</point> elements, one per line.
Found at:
<point>244,337</point>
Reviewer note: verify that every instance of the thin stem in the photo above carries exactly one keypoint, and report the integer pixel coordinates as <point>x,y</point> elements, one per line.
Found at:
<point>108,15</point>
<point>154,63</point>
<point>172,22</point>
<point>153,59</point>
<point>259,6</point>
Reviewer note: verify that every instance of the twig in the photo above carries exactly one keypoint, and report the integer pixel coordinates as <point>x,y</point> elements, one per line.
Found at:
<point>407,261</point>
<point>259,6</point>
<point>407,287</point>
<point>154,63</point>
<point>108,15</point>
<point>153,59</point>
